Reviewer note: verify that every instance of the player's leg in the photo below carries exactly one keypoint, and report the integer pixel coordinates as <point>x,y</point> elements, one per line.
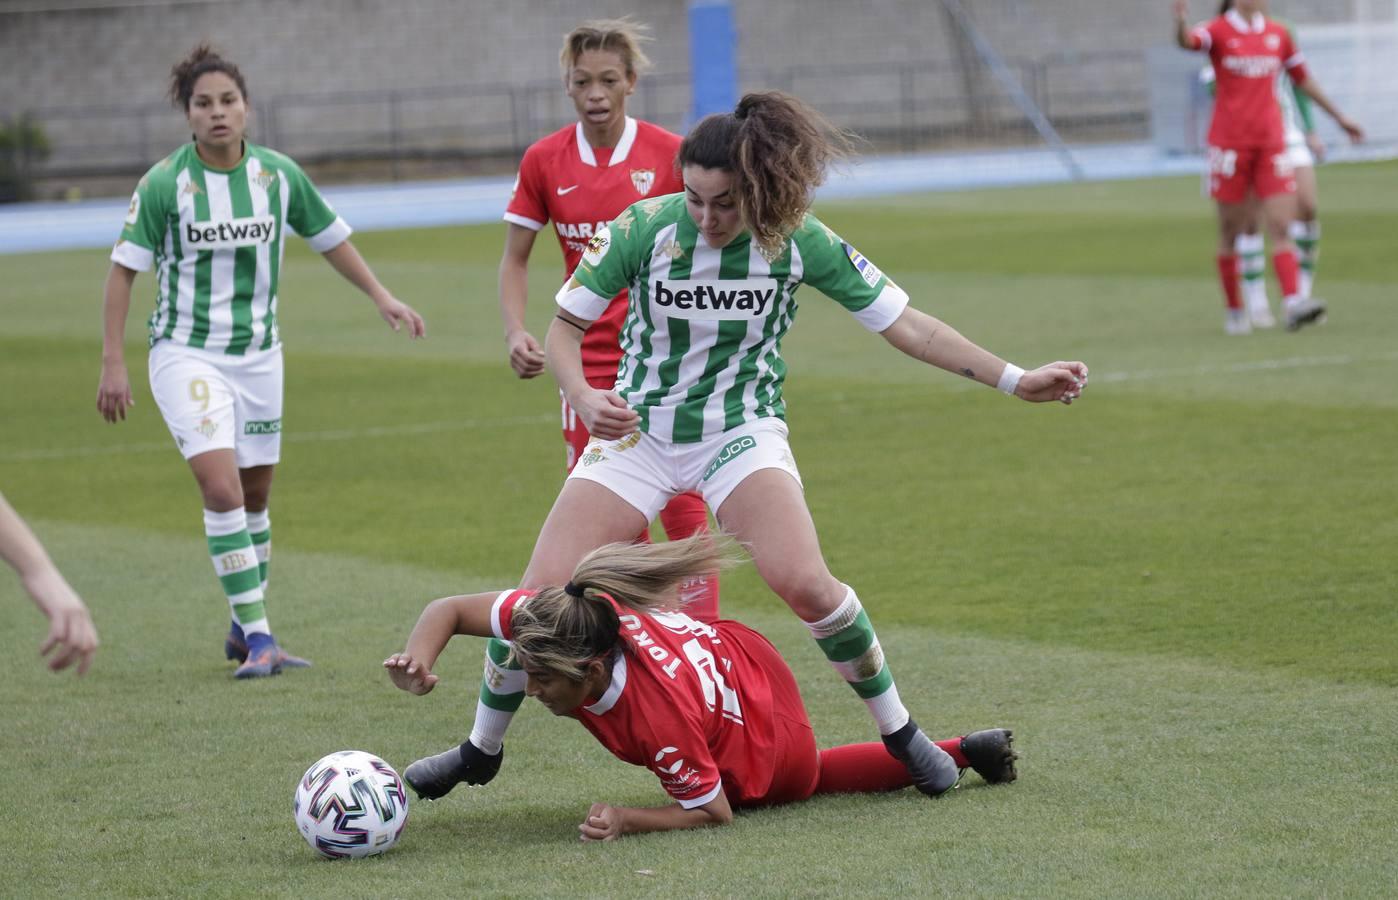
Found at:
<point>759,501</point>
<point>256,382</point>
<point>1275,183</point>
<point>685,516</point>
<point>1229,171</point>
<point>1232,219</point>
<point>1305,231</point>
<point>1252,266</point>
<point>590,511</point>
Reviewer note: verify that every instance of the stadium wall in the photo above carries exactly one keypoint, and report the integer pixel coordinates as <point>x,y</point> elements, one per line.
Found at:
<point>363,79</point>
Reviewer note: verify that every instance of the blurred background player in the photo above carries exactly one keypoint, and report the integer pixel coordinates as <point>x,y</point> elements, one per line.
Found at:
<point>580,178</point>
<point>698,398</point>
<point>711,709</point>
<point>1247,151</point>
<point>72,637</point>
<point>1304,149</point>
<point>210,218</point>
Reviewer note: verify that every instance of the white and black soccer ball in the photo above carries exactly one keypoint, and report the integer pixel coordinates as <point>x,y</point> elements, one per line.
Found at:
<point>351,803</point>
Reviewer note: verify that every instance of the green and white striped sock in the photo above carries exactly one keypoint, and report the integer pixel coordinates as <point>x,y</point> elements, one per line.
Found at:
<point>1307,238</point>
<point>847,639</point>
<point>260,530</point>
<point>1252,266</point>
<point>235,563</point>
<point>502,691</point>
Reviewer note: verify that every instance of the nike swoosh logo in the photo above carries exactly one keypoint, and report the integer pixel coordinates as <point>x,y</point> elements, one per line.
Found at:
<point>567,190</point>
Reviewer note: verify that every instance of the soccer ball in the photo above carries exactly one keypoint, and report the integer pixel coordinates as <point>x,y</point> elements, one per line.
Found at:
<point>351,803</point>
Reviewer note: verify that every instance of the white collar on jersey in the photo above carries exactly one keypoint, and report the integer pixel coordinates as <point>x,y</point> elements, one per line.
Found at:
<point>619,152</point>
<point>1235,18</point>
<point>613,692</point>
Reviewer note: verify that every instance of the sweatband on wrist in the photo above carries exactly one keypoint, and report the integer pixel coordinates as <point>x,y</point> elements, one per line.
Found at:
<point>1009,379</point>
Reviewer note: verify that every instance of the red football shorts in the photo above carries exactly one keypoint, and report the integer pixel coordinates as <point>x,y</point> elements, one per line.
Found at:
<point>1234,171</point>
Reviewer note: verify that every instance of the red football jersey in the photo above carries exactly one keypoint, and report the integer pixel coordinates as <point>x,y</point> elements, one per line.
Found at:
<point>1246,56</point>
<point>579,188</point>
<point>691,702</point>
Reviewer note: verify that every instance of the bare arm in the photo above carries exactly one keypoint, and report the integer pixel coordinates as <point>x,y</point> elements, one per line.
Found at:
<point>936,343</point>
<point>345,259</point>
<point>605,414</point>
<point>411,670</point>
<point>607,823</point>
<point>526,356</point>
<point>1181,9</point>
<point>1311,89</point>
<point>70,625</point>
<point>114,388</point>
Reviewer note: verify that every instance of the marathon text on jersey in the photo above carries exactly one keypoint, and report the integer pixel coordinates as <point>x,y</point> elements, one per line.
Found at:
<point>1252,66</point>
<point>229,233</point>
<point>729,299</point>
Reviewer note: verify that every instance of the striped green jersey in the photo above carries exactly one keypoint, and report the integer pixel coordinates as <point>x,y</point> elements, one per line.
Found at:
<point>701,343</point>
<point>214,238</point>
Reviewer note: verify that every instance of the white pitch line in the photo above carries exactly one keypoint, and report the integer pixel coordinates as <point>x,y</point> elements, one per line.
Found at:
<point>343,434</point>
<point>1255,365</point>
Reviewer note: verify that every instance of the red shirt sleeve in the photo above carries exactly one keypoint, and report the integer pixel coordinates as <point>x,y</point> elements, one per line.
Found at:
<point>1293,60</point>
<point>526,206</point>
<point>1201,36</point>
<point>677,752</point>
<point>503,610</point>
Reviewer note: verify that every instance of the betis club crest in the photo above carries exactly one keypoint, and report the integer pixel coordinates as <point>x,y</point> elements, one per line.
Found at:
<point>643,179</point>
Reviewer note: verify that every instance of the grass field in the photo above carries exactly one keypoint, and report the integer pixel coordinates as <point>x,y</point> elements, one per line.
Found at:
<point>1180,593</point>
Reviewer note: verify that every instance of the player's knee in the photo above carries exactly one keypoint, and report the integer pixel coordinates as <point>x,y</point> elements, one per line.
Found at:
<point>811,593</point>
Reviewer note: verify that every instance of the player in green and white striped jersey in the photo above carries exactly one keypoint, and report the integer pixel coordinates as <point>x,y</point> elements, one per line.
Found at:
<point>211,219</point>
<point>712,275</point>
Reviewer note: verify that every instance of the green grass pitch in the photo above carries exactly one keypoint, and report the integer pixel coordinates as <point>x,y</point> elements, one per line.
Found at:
<point>1180,592</point>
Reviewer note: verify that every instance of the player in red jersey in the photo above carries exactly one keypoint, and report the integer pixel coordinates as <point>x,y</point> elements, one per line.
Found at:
<point>711,709</point>
<point>1247,149</point>
<point>580,178</point>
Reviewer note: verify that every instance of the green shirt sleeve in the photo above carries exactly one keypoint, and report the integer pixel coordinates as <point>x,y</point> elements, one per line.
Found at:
<point>608,265</point>
<point>309,214</point>
<point>839,271</point>
<point>143,232</point>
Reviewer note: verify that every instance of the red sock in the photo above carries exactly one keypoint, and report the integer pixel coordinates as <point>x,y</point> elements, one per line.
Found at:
<point>866,768</point>
<point>1287,272</point>
<point>860,768</point>
<point>685,516</point>
<point>1228,274</point>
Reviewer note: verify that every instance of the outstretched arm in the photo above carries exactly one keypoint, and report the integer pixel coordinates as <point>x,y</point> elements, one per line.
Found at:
<point>607,823</point>
<point>1311,88</point>
<point>936,343</point>
<point>71,631</point>
<point>1181,9</point>
<point>411,670</point>
<point>345,259</point>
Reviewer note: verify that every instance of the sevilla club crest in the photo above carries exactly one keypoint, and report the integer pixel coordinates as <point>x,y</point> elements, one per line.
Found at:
<point>643,179</point>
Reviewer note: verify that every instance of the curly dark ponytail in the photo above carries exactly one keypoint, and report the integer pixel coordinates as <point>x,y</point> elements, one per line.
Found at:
<point>778,149</point>
<point>202,60</point>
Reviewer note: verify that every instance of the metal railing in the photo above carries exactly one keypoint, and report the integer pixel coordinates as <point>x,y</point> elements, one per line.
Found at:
<point>898,106</point>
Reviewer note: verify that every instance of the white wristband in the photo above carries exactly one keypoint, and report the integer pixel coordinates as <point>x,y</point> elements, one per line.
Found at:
<point>1009,379</point>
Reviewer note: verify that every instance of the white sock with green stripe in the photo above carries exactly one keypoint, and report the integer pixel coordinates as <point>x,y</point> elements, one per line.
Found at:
<point>235,563</point>
<point>1307,238</point>
<point>847,639</point>
<point>502,691</point>
<point>1252,266</point>
<point>260,530</point>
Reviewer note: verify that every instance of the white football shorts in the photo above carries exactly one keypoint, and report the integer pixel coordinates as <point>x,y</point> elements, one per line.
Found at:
<point>1300,156</point>
<point>646,472</point>
<point>213,401</point>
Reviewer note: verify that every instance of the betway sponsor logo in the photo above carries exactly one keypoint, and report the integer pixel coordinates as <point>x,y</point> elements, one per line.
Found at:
<point>230,233</point>
<point>750,297</point>
<point>1252,66</point>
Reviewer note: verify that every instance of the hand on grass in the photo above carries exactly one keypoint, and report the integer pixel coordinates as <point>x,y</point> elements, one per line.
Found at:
<point>603,823</point>
<point>409,675</point>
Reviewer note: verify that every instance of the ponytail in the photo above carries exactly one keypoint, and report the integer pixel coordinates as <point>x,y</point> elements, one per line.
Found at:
<point>778,150</point>
<point>561,629</point>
